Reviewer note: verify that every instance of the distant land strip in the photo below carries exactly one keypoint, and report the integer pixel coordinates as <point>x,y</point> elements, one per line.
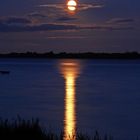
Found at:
<point>64,55</point>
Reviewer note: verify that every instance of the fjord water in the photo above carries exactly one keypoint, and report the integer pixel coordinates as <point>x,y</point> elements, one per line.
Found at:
<point>69,95</point>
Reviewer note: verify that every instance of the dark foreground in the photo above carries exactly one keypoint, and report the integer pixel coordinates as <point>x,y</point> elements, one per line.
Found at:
<point>31,130</point>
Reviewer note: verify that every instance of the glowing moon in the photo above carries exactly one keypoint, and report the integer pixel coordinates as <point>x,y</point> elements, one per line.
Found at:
<point>72,5</point>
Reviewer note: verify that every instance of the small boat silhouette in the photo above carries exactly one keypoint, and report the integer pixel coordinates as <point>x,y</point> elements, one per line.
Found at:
<point>4,72</point>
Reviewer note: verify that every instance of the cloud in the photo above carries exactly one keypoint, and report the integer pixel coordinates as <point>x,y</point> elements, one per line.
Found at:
<point>80,7</point>
<point>37,27</point>
<point>106,27</point>
<point>23,24</point>
<point>56,11</point>
<point>37,15</point>
<point>15,20</point>
<point>120,21</point>
<point>66,37</point>
<point>57,27</point>
<point>56,6</point>
<point>64,18</point>
<point>89,6</point>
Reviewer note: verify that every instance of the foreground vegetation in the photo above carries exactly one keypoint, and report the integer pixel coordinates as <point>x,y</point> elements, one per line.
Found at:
<point>21,129</point>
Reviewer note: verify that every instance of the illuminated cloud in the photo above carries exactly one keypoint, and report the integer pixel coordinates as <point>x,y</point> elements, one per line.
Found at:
<point>60,12</point>
<point>80,7</point>
<point>56,6</point>
<point>89,6</point>
<point>120,21</point>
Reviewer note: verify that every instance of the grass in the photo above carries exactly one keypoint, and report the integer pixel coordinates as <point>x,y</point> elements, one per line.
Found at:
<point>21,129</point>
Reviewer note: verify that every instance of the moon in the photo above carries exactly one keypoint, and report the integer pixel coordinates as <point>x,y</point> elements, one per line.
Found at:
<point>72,5</point>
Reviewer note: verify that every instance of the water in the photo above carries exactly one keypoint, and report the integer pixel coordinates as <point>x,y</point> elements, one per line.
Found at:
<point>67,95</point>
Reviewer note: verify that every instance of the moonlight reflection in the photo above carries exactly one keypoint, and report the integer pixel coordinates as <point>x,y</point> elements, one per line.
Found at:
<point>70,71</point>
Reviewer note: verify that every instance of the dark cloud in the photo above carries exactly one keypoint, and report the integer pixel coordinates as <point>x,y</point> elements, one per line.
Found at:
<point>66,18</point>
<point>15,20</point>
<point>23,24</point>
<point>57,27</point>
<point>34,28</point>
<point>120,20</point>
<point>66,37</point>
<point>37,15</point>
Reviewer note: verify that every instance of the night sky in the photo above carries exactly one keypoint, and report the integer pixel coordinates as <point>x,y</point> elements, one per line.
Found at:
<point>47,25</point>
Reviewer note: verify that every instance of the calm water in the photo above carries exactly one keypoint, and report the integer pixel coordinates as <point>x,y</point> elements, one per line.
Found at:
<point>87,95</point>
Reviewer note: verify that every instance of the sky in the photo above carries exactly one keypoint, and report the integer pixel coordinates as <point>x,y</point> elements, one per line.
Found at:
<point>47,25</point>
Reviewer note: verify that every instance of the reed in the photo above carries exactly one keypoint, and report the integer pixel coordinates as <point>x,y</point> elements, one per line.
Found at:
<point>21,129</point>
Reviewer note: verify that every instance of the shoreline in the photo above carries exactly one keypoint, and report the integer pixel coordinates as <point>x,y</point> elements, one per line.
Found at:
<point>63,55</point>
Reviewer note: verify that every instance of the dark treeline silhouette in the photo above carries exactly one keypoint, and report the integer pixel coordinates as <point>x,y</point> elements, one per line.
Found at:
<point>88,55</point>
<point>21,129</point>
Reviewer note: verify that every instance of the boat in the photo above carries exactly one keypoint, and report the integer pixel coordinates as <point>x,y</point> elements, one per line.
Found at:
<point>4,72</point>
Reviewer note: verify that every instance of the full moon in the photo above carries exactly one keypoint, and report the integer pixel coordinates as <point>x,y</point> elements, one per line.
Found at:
<point>72,5</point>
